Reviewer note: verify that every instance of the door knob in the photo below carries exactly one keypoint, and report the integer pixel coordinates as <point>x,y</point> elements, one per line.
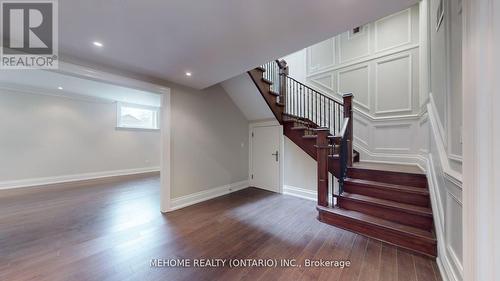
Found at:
<point>276,155</point>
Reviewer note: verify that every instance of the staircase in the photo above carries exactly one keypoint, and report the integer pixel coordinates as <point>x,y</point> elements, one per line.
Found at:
<point>393,207</point>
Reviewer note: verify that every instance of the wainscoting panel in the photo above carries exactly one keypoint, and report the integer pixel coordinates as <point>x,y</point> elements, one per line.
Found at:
<point>393,85</point>
<point>393,31</point>
<point>356,80</point>
<point>321,56</point>
<point>392,138</point>
<point>354,45</point>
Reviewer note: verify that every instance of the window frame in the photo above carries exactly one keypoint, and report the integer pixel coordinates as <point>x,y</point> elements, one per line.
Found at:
<point>154,109</point>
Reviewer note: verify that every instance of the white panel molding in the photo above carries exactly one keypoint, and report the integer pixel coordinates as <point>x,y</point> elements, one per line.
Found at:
<point>423,148</point>
<point>311,69</point>
<point>366,125</point>
<point>439,125</point>
<point>191,199</point>
<point>449,265</point>
<point>437,131</point>
<point>347,70</point>
<point>366,115</point>
<point>33,182</point>
<point>300,192</point>
<point>455,157</point>
<point>323,85</point>
<point>390,158</point>
<point>364,28</point>
<point>393,149</point>
<point>409,33</point>
<point>405,49</point>
<point>409,108</point>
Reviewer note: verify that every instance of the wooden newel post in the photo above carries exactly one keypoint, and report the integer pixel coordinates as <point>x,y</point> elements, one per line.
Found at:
<point>348,114</point>
<point>322,151</point>
<point>283,73</point>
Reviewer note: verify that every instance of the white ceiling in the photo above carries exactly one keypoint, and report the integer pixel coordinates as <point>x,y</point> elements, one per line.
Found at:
<point>47,82</point>
<point>213,39</point>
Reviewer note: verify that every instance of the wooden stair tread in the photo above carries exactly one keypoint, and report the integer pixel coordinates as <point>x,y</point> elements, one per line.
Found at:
<point>299,128</point>
<point>280,104</point>
<point>260,68</point>
<point>267,81</point>
<point>274,93</point>
<point>408,230</point>
<point>310,136</point>
<point>407,208</point>
<point>389,186</point>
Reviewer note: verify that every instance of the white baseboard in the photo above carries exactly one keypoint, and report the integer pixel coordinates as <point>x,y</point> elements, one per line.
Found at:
<point>191,199</point>
<point>73,178</point>
<point>300,192</point>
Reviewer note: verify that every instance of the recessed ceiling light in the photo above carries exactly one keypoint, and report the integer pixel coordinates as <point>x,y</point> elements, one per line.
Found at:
<point>98,44</point>
<point>59,88</point>
<point>188,74</point>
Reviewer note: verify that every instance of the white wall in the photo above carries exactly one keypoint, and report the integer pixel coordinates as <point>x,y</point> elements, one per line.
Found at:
<point>380,66</point>
<point>44,136</point>
<point>407,109</point>
<point>446,76</point>
<point>445,150</point>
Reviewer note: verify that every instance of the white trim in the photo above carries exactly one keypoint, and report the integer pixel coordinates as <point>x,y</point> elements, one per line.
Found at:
<point>338,97</point>
<point>73,178</point>
<point>154,109</point>
<point>309,69</point>
<point>439,124</point>
<point>449,265</point>
<point>363,28</point>
<point>410,84</point>
<point>268,123</point>
<point>408,41</point>
<point>390,158</point>
<point>108,77</point>
<point>441,144</point>
<point>300,192</point>
<point>350,69</point>
<point>194,198</point>
<point>373,57</point>
<point>165,151</point>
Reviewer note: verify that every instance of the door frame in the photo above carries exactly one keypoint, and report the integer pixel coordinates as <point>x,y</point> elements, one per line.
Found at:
<point>267,123</point>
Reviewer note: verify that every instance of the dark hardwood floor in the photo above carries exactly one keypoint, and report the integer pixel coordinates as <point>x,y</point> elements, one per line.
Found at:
<point>111,231</point>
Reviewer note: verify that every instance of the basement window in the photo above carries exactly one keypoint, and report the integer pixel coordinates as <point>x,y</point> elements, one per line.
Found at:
<point>133,116</point>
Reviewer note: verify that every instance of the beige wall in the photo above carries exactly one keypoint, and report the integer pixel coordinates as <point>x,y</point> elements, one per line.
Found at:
<point>50,136</point>
<point>300,168</point>
<point>209,142</point>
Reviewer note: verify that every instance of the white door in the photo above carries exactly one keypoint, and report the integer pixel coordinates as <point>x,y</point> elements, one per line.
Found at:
<point>265,157</point>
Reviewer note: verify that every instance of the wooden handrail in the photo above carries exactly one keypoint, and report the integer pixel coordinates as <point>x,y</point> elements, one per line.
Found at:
<point>345,125</point>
